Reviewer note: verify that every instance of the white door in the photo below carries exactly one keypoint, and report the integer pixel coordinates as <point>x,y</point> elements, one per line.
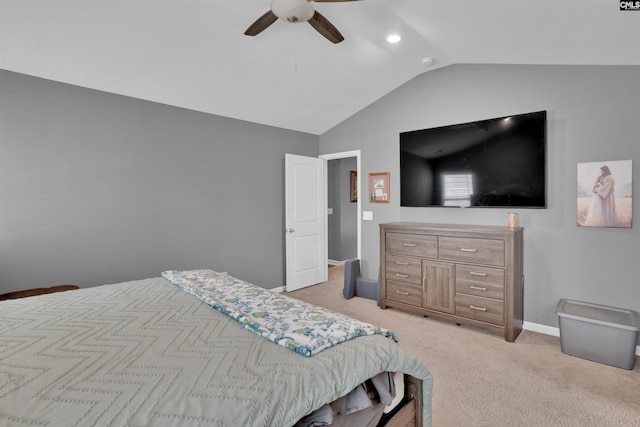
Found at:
<point>305,222</point>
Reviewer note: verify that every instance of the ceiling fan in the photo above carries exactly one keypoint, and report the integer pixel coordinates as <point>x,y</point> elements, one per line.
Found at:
<point>297,11</point>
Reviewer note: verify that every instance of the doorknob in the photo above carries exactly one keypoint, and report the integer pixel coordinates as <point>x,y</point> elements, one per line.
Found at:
<point>290,230</point>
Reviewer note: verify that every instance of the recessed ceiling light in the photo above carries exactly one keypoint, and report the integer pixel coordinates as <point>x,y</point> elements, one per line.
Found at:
<point>394,38</point>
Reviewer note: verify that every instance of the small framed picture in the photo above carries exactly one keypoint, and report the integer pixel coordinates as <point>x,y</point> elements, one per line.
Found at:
<point>353,186</point>
<point>379,187</point>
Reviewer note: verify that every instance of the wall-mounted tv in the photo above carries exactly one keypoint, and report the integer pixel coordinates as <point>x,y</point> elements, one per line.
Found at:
<point>499,162</point>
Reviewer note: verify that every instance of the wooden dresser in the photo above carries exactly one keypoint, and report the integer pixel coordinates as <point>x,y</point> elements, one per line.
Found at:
<point>470,275</point>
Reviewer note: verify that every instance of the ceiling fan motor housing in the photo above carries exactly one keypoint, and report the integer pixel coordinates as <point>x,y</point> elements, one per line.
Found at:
<point>292,10</point>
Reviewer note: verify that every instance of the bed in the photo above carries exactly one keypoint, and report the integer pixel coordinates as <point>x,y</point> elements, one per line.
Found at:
<point>156,352</point>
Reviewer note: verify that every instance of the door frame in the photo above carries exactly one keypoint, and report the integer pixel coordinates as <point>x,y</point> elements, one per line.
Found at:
<point>337,156</point>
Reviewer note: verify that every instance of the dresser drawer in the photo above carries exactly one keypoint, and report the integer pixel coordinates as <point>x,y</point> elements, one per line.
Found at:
<point>465,249</point>
<point>403,269</point>
<point>480,281</point>
<point>406,294</point>
<point>482,309</point>
<point>412,244</point>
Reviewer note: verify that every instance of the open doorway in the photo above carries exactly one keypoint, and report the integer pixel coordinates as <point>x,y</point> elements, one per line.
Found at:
<point>343,209</point>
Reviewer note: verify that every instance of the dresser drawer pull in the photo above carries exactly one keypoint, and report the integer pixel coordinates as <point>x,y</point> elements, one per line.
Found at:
<point>473,307</point>
<point>468,250</point>
<point>402,292</point>
<point>473,273</point>
<point>411,245</point>
<point>402,263</point>
<point>477,288</point>
<point>402,275</point>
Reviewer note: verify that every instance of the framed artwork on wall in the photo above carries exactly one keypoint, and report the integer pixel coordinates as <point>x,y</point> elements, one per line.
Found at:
<point>379,187</point>
<point>604,194</point>
<point>353,186</point>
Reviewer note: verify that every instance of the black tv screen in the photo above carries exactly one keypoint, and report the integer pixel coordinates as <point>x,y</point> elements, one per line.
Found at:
<point>499,162</point>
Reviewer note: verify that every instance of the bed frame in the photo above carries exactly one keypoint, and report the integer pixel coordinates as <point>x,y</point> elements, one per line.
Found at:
<point>36,291</point>
<point>410,414</point>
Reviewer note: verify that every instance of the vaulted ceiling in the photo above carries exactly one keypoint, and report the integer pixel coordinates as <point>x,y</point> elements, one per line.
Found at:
<point>193,53</point>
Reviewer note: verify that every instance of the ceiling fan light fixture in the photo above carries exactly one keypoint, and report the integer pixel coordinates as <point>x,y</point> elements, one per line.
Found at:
<point>292,10</point>
<point>297,11</point>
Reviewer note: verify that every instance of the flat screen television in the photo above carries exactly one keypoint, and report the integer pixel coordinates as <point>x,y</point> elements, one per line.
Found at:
<point>499,162</point>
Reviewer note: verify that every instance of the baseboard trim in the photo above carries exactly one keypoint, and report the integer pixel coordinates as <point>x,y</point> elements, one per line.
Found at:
<point>549,330</point>
<point>543,329</point>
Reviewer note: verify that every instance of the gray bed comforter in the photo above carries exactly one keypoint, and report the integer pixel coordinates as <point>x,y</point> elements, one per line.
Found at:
<point>145,353</point>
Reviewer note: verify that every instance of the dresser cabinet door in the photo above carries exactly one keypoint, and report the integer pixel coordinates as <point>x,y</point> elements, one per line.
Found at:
<point>438,286</point>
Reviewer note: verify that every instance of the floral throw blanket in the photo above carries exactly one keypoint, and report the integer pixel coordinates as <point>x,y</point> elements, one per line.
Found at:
<point>304,328</point>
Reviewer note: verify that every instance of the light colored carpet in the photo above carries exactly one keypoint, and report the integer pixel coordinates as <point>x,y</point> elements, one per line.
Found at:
<point>482,380</point>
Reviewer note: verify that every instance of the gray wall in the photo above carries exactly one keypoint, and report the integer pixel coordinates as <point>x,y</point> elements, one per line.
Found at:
<point>98,188</point>
<point>592,116</point>
<point>343,223</point>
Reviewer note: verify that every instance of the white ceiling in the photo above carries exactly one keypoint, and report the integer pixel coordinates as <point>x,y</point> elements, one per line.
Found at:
<point>193,53</point>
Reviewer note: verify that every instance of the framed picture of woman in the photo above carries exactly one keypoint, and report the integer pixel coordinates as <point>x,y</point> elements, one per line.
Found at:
<point>605,196</point>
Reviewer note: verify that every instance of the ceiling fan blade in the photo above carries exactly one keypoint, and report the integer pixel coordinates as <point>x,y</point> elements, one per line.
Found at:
<point>261,24</point>
<point>326,28</point>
